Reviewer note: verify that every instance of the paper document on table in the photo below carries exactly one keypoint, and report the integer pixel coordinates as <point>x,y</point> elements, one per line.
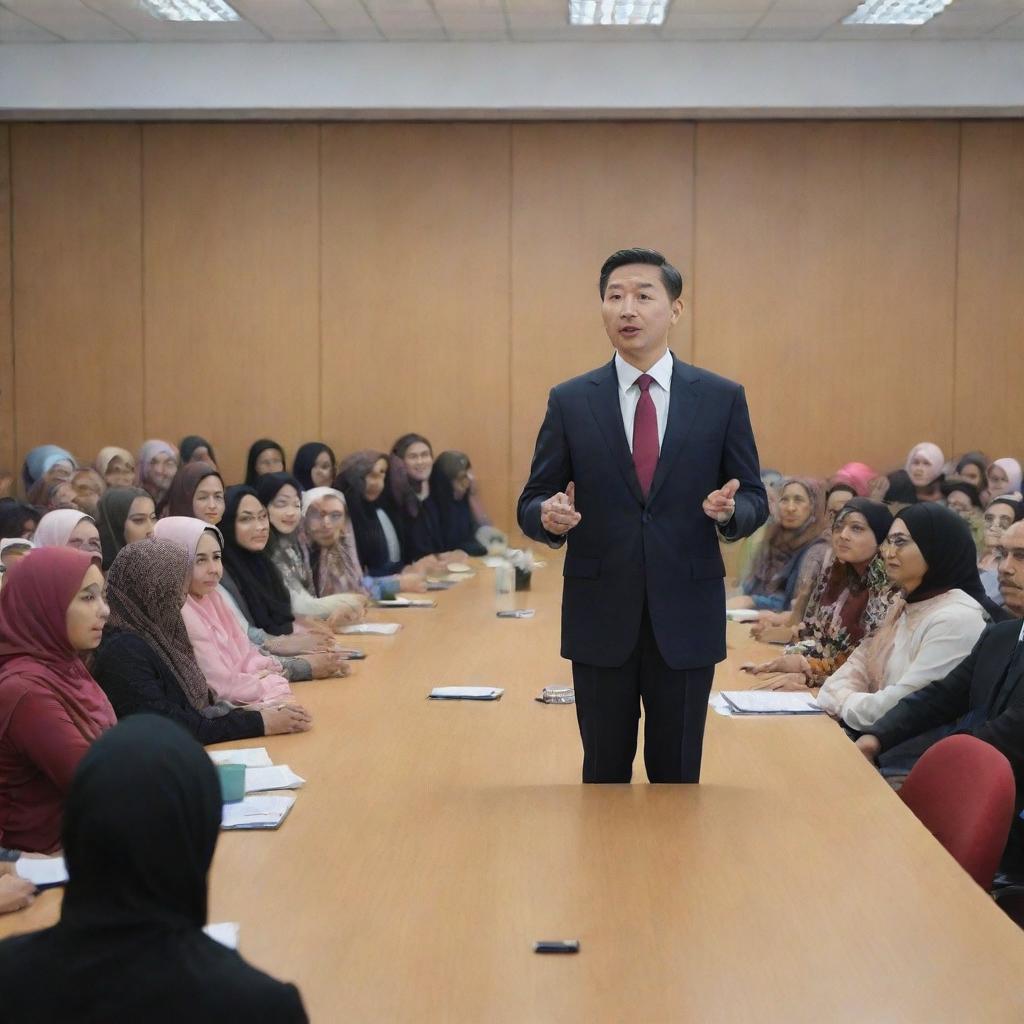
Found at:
<point>42,872</point>
<point>252,757</point>
<point>256,812</point>
<point>770,702</point>
<point>406,602</point>
<point>466,692</point>
<point>719,704</point>
<point>741,615</point>
<point>277,776</point>
<point>372,629</point>
<point>224,932</point>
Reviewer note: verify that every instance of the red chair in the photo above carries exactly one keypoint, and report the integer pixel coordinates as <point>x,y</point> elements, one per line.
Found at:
<point>962,791</point>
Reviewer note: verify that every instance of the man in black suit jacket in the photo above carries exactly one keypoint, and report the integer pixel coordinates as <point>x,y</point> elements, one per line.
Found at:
<point>637,462</point>
<point>982,696</point>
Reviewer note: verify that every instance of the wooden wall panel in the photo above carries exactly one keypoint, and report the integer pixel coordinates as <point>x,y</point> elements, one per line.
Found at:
<point>8,442</point>
<point>231,286</point>
<point>77,286</point>
<point>416,291</point>
<point>826,261</point>
<point>581,191</point>
<point>990,296</point>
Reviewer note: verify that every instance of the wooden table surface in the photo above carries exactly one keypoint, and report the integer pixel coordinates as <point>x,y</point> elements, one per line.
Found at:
<point>434,842</point>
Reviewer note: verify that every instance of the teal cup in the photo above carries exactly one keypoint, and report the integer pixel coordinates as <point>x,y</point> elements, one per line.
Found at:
<point>232,782</point>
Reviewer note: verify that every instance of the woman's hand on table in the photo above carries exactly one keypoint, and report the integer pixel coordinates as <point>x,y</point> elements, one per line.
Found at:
<point>286,718</point>
<point>15,893</point>
<point>789,681</point>
<point>328,664</point>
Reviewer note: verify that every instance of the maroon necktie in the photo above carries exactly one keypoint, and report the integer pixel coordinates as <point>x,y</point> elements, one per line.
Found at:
<point>645,434</point>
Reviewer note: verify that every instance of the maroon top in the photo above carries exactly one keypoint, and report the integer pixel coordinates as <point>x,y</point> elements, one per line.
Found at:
<point>51,708</point>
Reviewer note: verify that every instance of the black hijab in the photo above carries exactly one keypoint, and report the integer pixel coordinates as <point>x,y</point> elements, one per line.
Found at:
<point>255,451</point>
<point>457,525</point>
<point>878,516</point>
<point>951,486</point>
<point>140,827</point>
<point>948,548</point>
<point>1016,507</point>
<point>188,447</point>
<point>111,516</point>
<point>371,543</point>
<point>13,516</point>
<point>901,488</point>
<point>255,575</point>
<point>305,457</point>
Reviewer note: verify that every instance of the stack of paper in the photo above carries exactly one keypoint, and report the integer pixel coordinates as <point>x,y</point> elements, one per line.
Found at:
<point>406,602</point>
<point>373,629</point>
<point>251,757</point>
<point>278,776</point>
<point>466,693</point>
<point>770,702</point>
<point>256,812</point>
<point>741,615</point>
<point>42,872</point>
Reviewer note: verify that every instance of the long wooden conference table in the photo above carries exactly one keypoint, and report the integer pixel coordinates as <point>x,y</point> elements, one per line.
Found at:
<point>435,842</point>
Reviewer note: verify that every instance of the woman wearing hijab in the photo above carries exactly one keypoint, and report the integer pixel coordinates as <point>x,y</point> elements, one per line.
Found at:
<point>146,663</point>
<point>973,468</point>
<point>858,475</point>
<point>999,516</point>
<point>196,449</point>
<point>964,499</point>
<point>234,668</point>
<point>315,465</point>
<point>12,549</point>
<point>156,469</point>
<point>125,515</point>
<point>924,467</point>
<point>116,466</point>
<point>141,825</point>
<point>256,594</point>
<point>281,494</point>
<point>197,490</point>
<point>836,498</point>
<point>265,456</point>
<point>88,487</point>
<point>51,613</point>
<point>18,519</point>
<point>68,528</point>
<point>851,599</point>
<point>929,554</point>
<point>47,462</point>
<point>451,483</point>
<point>1004,479</point>
<point>790,558</point>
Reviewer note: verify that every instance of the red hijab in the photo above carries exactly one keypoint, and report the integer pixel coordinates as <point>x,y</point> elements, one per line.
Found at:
<point>35,652</point>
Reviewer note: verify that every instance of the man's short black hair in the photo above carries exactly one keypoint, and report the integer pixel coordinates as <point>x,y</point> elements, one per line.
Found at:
<point>670,277</point>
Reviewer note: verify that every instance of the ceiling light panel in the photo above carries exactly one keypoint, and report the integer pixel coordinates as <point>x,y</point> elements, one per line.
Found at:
<point>190,10</point>
<point>617,12</point>
<point>896,12</point>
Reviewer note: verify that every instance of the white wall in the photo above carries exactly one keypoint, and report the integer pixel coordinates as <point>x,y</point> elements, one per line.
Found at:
<point>492,80</point>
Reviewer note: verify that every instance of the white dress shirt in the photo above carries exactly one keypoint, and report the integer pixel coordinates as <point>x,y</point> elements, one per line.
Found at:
<point>629,393</point>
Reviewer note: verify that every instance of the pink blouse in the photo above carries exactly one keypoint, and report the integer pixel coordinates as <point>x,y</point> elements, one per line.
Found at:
<point>234,667</point>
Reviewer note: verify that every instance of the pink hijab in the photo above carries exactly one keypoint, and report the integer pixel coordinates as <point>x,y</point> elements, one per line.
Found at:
<point>235,668</point>
<point>55,527</point>
<point>858,475</point>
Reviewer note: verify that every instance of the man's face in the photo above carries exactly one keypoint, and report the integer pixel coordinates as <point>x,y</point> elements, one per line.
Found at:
<point>1011,569</point>
<point>637,312</point>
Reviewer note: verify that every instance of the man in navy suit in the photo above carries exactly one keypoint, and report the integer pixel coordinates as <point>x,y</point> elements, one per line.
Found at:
<point>636,464</point>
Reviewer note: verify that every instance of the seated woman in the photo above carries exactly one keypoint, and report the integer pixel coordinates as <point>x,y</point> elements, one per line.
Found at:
<point>116,466</point>
<point>790,558</point>
<point>48,496</point>
<point>281,494</point>
<point>17,519</point>
<point>197,491</point>
<point>315,465</point>
<point>68,528</point>
<point>835,498</point>
<point>12,549</point>
<point>51,613</point>
<point>140,829</point>
<point>850,600</point>
<point>234,668</point>
<point>965,500</point>
<point>924,467</point>
<point>196,449</point>
<point>156,469</point>
<point>900,491</point>
<point>377,522</point>
<point>265,456</point>
<point>88,487</point>
<point>332,551</point>
<point>1004,479</point>
<point>860,476</point>
<point>972,467</point>
<point>929,553</point>
<point>256,594</point>
<point>1000,515</point>
<point>47,462</point>
<point>146,664</point>
<point>451,484</point>
<point>126,514</point>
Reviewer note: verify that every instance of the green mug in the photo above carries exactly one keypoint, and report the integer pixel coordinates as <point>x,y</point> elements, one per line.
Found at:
<point>232,782</point>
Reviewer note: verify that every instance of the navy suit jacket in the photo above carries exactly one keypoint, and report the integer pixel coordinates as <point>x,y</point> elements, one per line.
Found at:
<point>626,550</point>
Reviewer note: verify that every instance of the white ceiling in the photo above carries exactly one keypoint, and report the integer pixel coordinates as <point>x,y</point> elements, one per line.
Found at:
<point>91,21</point>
